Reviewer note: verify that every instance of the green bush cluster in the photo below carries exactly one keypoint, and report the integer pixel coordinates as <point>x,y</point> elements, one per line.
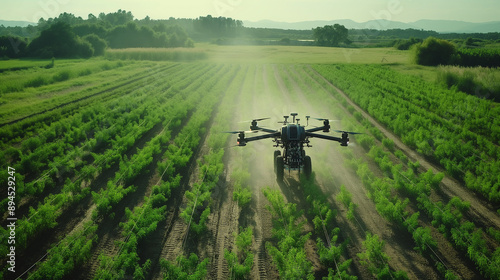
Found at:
<point>190,268</point>
<point>290,256</point>
<point>433,51</point>
<point>377,260</point>
<point>240,262</point>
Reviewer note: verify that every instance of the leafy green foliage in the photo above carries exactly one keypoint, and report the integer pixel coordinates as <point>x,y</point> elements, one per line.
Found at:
<point>187,269</point>
<point>428,120</point>
<point>403,44</point>
<point>240,262</point>
<point>344,196</point>
<point>432,52</point>
<point>331,35</point>
<point>470,57</point>
<point>72,251</point>
<point>98,44</point>
<point>241,193</point>
<point>376,260</point>
<point>12,46</point>
<point>60,41</point>
<point>289,256</point>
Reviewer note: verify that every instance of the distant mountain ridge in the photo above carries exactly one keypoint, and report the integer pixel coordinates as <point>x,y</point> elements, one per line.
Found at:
<point>12,23</point>
<point>441,26</point>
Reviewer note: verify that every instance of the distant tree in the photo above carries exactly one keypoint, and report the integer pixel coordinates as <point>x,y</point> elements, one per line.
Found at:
<point>406,44</point>
<point>90,28</point>
<point>469,42</point>
<point>132,36</point>
<point>285,41</point>
<point>12,46</point>
<point>432,52</point>
<point>331,35</point>
<point>59,41</point>
<point>98,44</point>
<point>68,18</point>
<point>91,18</point>
<point>119,18</point>
<point>217,26</point>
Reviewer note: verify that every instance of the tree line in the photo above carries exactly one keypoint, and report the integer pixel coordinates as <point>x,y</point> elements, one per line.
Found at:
<point>70,36</point>
<point>89,37</point>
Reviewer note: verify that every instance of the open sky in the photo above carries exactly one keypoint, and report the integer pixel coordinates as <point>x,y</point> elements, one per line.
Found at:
<point>254,10</point>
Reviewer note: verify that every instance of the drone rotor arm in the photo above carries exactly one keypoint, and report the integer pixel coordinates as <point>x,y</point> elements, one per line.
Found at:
<point>321,136</point>
<point>264,129</point>
<point>320,128</point>
<point>265,136</point>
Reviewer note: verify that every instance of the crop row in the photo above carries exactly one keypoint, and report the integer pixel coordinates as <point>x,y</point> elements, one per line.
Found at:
<point>461,138</point>
<point>47,212</point>
<point>106,200</point>
<point>98,150</point>
<point>60,149</point>
<point>196,210</point>
<point>447,218</point>
<point>297,80</point>
<point>143,220</point>
<point>109,198</point>
<point>60,138</point>
<point>33,103</point>
<point>290,256</point>
<point>17,81</point>
<point>392,209</point>
<point>329,251</point>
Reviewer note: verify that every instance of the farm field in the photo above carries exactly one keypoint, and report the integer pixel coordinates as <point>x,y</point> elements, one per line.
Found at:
<point>122,170</point>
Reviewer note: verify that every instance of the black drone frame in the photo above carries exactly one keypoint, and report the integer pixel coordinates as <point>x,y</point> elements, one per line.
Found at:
<point>309,133</point>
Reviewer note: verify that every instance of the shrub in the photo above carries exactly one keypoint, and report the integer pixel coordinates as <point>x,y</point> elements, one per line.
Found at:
<point>12,46</point>
<point>61,76</point>
<point>59,41</point>
<point>98,44</point>
<point>406,44</point>
<point>433,52</point>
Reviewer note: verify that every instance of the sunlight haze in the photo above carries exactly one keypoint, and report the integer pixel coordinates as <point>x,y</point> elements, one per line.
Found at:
<point>277,10</point>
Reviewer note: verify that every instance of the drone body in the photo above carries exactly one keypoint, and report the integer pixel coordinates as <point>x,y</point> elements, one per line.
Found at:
<point>292,138</point>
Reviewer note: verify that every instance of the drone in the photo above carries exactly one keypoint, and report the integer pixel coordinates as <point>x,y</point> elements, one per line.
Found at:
<point>292,138</point>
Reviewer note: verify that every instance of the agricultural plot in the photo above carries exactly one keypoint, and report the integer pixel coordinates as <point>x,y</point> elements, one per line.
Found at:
<point>122,171</point>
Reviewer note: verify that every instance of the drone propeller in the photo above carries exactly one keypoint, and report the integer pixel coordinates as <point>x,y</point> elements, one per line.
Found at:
<point>255,120</point>
<point>348,132</point>
<point>241,131</point>
<point>320,119</point>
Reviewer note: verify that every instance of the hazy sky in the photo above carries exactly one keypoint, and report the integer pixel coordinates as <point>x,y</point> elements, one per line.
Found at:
<point>277,10</point>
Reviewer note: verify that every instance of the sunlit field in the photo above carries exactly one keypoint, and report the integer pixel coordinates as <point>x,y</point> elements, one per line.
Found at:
<point>294,54</point>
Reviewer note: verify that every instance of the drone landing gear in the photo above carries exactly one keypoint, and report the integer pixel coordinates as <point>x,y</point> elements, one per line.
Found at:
<point>279,166</point>
<point>307,166</point>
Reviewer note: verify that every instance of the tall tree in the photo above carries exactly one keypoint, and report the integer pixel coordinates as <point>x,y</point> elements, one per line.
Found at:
<point>331,35</point>
<point>59,41</point>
